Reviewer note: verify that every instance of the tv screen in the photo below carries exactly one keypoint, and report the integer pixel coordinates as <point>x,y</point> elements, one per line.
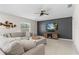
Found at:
<point>50,27</point>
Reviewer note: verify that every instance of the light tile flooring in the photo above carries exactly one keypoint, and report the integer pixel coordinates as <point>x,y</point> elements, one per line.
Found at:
<point>59,47</point>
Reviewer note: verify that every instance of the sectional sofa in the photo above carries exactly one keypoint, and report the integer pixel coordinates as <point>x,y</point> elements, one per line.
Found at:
<point>17,44</point>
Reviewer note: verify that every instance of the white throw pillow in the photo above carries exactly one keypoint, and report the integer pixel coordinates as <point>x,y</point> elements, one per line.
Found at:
<point>27,34</point>
<point>3,41</point>
<point>13,48</point>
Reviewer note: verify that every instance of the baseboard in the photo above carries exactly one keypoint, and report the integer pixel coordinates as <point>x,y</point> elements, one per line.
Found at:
<point>65,39</point>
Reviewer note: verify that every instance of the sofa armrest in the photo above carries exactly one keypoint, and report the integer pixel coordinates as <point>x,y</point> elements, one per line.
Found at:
<point>38,50</point>
<point>1,52</point>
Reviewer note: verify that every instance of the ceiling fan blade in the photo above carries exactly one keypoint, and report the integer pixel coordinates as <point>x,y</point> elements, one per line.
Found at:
<point>41,14</point>
<point>46,14</point>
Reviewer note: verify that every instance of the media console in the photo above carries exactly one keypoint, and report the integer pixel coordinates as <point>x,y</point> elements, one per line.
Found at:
<point>52,35</point>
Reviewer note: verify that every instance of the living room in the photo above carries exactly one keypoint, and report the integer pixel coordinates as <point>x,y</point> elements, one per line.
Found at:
<point>37,29</point>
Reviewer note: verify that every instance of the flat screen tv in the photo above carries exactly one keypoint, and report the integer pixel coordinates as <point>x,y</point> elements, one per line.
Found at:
<point>51,27</point>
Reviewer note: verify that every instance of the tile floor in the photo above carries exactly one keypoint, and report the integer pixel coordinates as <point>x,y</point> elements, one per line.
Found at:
<point>60,47</point>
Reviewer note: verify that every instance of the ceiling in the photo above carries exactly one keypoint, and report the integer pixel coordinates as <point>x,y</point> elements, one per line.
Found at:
<point>29,10</point>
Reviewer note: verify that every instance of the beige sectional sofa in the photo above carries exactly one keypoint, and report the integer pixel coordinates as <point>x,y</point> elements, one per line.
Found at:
<point>38,50</point>
<point>15,45</point>
<point>22,48</point>
<point>24,35</point>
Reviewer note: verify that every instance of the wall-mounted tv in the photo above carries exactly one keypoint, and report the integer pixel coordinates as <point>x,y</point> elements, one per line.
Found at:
<point>51,27</point>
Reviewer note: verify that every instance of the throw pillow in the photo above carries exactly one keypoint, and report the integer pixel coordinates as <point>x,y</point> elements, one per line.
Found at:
<point>27,44</point>
<point>13,48</point>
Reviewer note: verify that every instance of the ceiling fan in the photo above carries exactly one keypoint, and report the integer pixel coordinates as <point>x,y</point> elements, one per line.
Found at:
<point>42,12</point>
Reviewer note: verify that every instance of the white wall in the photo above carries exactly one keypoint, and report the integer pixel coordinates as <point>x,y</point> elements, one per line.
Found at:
<point>16,20</point>
<point>76,27</point>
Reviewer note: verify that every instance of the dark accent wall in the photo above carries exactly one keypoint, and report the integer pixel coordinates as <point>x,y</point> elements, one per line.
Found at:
<point>64,27</point>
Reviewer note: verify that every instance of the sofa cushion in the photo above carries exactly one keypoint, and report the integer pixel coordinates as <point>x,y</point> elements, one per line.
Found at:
<point>3,41</point>
<point>27,44</point>
<point>7,35</point>
<point>18,34</point>
<point>13,48</point>
<point>38,50</point>
<point>27,34</point>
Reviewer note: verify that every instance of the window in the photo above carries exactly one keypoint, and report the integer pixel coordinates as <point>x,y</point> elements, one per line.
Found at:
<point>26,27</point>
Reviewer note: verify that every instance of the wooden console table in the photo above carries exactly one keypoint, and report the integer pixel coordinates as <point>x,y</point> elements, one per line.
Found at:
<point>53,35</point>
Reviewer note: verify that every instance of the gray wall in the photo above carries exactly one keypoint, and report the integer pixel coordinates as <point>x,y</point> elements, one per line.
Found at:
<point>64,27</point>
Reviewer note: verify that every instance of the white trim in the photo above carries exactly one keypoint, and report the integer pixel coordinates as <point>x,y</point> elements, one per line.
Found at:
<point>65,39</point>
<point>62,39</point>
